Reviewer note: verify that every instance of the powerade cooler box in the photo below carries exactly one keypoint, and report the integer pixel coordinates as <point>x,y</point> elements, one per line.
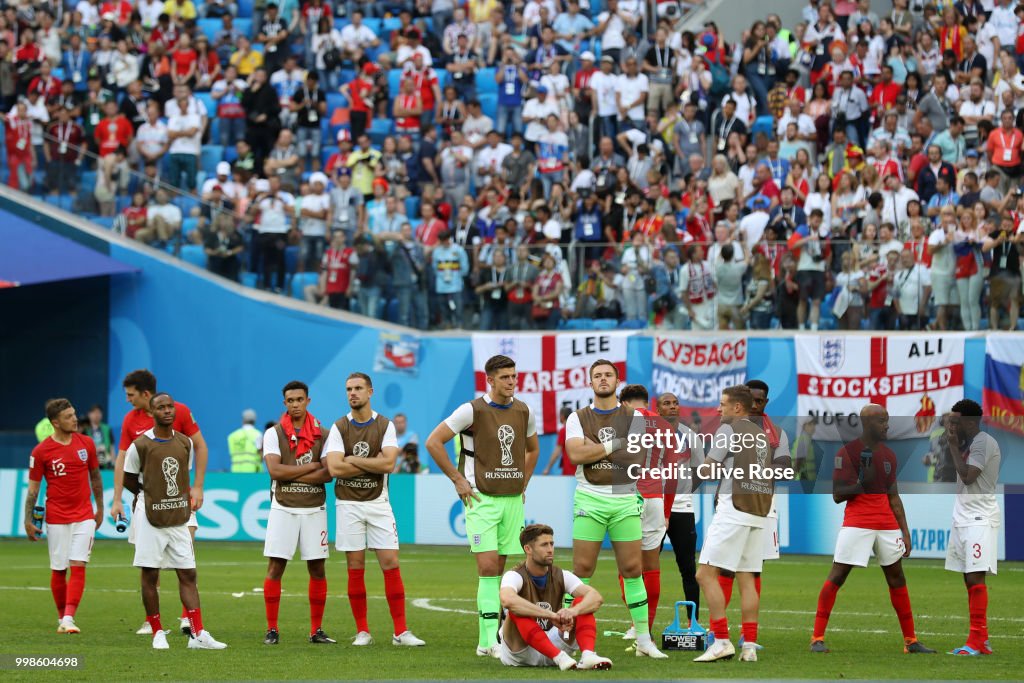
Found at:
<point>693,639</point>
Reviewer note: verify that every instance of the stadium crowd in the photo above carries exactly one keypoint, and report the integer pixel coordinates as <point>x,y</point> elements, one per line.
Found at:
<point>520,165</point>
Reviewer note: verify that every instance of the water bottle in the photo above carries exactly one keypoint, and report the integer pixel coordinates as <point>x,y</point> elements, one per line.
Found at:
<point>37,517</point>
<point>121,524</point>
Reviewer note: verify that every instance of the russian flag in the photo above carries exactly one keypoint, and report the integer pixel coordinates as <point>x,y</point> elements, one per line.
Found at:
<point>1003,393</point>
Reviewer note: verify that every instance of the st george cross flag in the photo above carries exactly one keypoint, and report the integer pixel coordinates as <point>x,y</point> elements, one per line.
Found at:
<point>554,369</point>
<point>916,379</point>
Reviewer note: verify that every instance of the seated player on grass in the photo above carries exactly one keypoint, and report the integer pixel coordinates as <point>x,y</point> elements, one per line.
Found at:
<point>533,634</point>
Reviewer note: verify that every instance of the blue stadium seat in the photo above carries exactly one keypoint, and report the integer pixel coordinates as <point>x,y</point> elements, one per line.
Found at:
<point>606,324</point>
<point>335,100</point>
<point>387,26</point>
<point>186,203</point>
<point>207,99</point>
<point>244,26</point>
<point>763,124</point>
<point>299,282</point>
<point>214,127</point>
<point>394,83</point>
<point>194,254</point>
<point>244,9</point>
<point>632,324</point>
<point>485,81</point>
<point>412,207</point>
<point>372,23</point>
<point>489,105</point>
<point>325,153</point>
<point>579,324</point>
<point>380,129</point>
<point>211,156</point>
<point>230,154</point>
<point>188,225</point>
<point>106,221</point>
<point>209,27</point>
<point>291,259</point>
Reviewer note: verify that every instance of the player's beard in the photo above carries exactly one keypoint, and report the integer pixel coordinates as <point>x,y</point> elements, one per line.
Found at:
<point>604,394</point>
<point>354,405</point>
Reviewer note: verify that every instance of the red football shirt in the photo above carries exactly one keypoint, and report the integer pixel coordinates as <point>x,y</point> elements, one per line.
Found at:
<point>66,470</point>
<point>568,467</point>
<point>868,510</point>
<point>137,422</point>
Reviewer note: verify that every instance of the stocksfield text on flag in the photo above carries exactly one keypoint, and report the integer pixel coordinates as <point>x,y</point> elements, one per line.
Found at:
<point>1003,394</point>
<point>912,377</point>
<point>554,369</point>
<point>697,369</point>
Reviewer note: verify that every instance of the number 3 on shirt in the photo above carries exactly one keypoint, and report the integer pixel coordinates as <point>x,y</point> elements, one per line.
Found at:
<point>977,551</point>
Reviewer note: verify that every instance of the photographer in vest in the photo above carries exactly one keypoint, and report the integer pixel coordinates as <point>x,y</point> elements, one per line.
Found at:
<point>534,634</point>
<point>156,469</point>
<point>498,453</point>
<point>606,499</point>
<point>361,451</point>
<point>735,538</point>
<point>298,512</point>
<point>245,445</point>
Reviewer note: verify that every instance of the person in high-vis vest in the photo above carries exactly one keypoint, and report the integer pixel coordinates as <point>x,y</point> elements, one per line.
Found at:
<point>44,429</point>
<point>244,445</point>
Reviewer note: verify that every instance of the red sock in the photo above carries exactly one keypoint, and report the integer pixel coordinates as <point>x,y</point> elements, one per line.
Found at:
<point>749,630</point>
<point>59,588</point>
<point>757,585</point>
<point>720,627</point>
<point>357,598</point>
<point>586,630</point>
<point>900,598</point>
<point>272,601</point>
<point>826,601</point>
<point>76,586</point>
<point>394,590</point>
<point>184,612</point>
<point>534,637</point>
<point>726,583</point>
<point>622,588</point>
<point>195,620</point>
<point>317,600</point>
<point>154,623</point>
<point>652,583</point>
<point>977,601</point>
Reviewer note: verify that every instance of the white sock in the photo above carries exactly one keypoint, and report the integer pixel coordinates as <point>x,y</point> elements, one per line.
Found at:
<point>801,326</point>
<point>644,639</point>
<point>814,326</point>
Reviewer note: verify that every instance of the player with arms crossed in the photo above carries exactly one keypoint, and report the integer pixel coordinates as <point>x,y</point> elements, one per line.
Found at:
<point>974,541</point>
<point>735,539</point>
<point>606,499</point>
<point>653,520</point>
<point>498,455</point>
<point>298,513</point>
<point>533,634</point>
<point>156,468</point>
<point>874,521</point>
<point>361,452</point>
<point>682,523</point>
<point>139,388</point>
<point>67,461</point>
<point>779,444</point>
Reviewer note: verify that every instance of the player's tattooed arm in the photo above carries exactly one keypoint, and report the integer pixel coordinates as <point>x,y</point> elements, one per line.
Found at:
<point>31,496</point>
<point>96,482</point>
<point>522,607</point>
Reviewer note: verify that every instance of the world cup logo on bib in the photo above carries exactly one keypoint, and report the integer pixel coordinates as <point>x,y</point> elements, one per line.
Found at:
<point>506,435</point>
<point>606,434</point>
<point>170,469</point>
<point>304,459</point>
<point>361,449</point>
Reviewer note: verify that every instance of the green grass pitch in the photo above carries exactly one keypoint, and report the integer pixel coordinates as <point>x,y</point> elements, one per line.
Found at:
<point>441,588</point>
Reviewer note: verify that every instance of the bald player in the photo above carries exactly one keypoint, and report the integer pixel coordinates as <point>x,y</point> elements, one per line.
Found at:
<point>874,521</point>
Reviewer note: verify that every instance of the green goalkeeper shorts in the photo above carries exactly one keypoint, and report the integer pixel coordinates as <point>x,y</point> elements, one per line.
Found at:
<point>494,523</point>
<point>594,514</point>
